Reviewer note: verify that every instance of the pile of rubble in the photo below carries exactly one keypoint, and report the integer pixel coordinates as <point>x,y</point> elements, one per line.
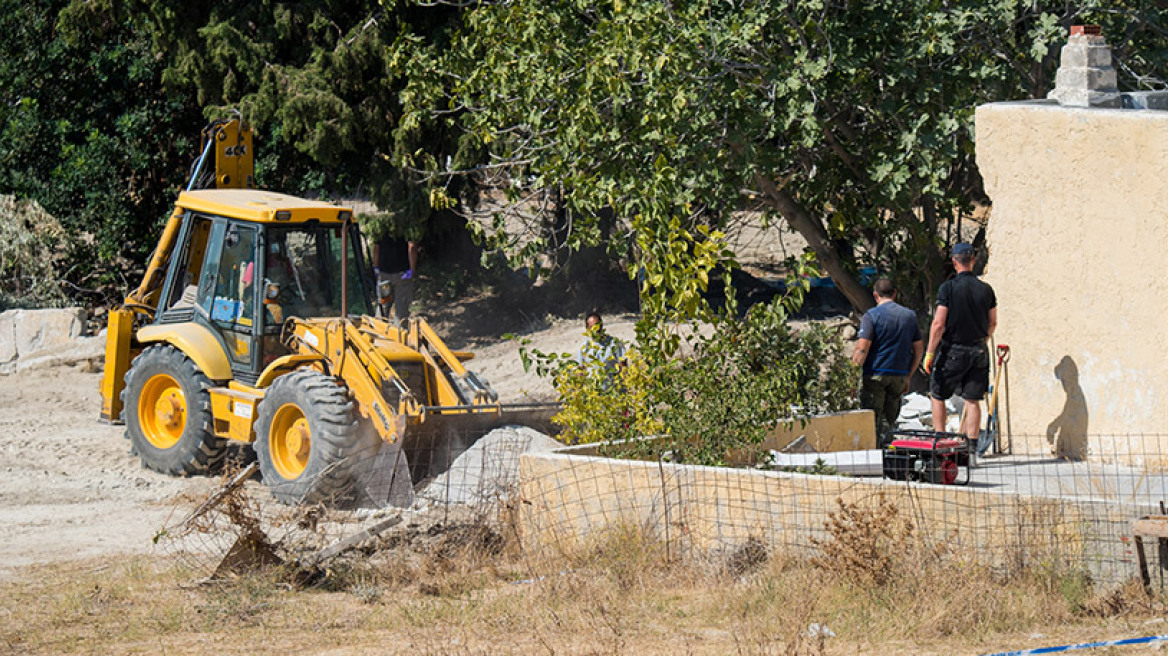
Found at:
<point>489,470</point>
<point>916,412</point>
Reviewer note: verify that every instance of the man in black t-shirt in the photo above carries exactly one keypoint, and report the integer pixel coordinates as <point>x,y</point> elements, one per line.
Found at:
<point>967,314</point>
<point>396,260</point>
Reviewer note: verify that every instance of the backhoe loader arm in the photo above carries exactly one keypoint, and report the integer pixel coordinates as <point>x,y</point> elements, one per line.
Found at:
<point>145,298</point>
<point>230,140</point>
<point>427,339</point>
<point>421,337</point>
<point>351,356</point>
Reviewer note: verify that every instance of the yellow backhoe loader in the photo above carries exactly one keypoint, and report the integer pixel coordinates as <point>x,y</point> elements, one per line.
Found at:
<point>253,324</point>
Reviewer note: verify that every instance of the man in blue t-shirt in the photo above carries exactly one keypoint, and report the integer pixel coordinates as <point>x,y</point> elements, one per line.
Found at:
<point>889,348</point>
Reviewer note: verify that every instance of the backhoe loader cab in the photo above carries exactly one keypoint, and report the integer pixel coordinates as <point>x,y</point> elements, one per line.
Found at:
<point>239,271</point>
<point>252,325</point>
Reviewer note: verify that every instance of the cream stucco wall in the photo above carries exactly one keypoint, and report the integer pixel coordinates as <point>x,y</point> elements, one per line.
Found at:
<point>1078,252</point>
<point>568,499</point>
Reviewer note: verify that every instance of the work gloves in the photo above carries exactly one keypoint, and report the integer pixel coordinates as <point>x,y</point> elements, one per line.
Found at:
<point>408,275</point>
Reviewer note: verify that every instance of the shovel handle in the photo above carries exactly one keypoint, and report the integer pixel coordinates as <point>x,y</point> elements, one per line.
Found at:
<point>1003,353</point>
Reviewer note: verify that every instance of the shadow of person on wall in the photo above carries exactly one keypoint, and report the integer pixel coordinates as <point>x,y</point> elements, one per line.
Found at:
<point>1067,434</point>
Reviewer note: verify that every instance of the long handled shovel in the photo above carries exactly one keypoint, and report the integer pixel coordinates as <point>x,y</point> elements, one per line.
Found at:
<point>990,434</point>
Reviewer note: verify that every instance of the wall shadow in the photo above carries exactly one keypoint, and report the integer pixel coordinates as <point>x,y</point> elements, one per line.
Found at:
<point>1067,434</point>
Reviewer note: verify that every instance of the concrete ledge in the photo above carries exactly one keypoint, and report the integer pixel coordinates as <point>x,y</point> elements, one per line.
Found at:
<point>853,430</point>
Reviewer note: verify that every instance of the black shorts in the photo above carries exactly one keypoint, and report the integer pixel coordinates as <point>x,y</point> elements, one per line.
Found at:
<point>961,369</point>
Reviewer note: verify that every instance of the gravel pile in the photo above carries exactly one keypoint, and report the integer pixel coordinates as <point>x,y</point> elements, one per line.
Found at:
<point>488,470</point>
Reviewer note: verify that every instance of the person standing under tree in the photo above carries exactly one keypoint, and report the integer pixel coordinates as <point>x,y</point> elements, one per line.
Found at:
<point>396,259</point>
<point>967,314</point>
<point>889,349</point>
<point>599,347</point>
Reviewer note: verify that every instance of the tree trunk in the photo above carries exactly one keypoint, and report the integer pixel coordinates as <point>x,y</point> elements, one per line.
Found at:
<point>825,253</point>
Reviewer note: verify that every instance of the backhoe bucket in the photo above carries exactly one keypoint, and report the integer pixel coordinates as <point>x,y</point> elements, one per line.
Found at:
<point>434,443</point>
<point>384,480</point>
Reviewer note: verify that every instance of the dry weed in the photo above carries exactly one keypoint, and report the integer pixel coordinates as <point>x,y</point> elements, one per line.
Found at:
<point>1129,599</point>
<point>462,584</point>
<point>867,545</point>
<point>747,557</point>
<point>588,604</point>
<point>629,555</point>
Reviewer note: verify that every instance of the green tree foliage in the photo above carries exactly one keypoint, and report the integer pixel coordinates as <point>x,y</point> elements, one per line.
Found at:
<point>707,385</point>
<point>849,120</point>
<point>88,133</point>
<point>711,403</point>
<point>322,81</point>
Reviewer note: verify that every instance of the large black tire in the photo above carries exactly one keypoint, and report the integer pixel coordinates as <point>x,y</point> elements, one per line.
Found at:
<point>309,440</point>
<point>168,414</point>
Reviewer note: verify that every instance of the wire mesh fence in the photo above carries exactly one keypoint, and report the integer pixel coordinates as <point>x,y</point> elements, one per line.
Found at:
<point>1024,508</point>
<point>1017,510</point>
<point>455,486</point>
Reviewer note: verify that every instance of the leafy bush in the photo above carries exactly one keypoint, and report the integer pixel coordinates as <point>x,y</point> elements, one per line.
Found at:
<point>744,378</point>
<point>601,405</point>
<point>736,380</point>
<point>31,253</point>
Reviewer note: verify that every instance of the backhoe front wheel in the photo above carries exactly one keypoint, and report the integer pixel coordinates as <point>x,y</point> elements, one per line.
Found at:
<point>168,414</point>
<point>309,440</point>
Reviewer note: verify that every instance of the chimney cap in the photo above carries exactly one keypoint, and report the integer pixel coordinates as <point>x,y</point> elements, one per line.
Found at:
<point>1086,30</point>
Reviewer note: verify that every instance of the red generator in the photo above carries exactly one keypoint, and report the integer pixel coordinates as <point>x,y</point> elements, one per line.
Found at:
<point>928,456</point>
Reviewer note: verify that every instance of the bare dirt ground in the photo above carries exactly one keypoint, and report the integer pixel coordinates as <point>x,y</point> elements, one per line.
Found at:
<point>71,489</point>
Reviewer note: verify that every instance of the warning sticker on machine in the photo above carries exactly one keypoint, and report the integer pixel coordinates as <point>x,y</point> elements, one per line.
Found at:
<point>310,339</point>
<point>241,410</point>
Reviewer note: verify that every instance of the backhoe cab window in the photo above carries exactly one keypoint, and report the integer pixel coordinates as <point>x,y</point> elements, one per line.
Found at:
<point>233,304</point>
<point>189,265</point>
<point>303,273</point>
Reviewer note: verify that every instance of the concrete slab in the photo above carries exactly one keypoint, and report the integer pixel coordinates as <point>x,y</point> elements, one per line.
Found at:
<point>868,462</point>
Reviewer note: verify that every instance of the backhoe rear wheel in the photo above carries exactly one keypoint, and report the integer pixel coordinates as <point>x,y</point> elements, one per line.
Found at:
<point>309,440</point>
<point>168,414</point>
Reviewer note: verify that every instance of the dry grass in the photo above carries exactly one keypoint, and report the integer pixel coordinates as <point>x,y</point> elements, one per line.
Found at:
<point>467,588</point>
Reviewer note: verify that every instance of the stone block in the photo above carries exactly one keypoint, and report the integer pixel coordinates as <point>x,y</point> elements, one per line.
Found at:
<point>8,336</point>
<point>1087,98</point>
<point>89,350</point>
<point>1102,79</point>
<point>1087,40</point>
<point>39,329</point>
<point>1085,56</point>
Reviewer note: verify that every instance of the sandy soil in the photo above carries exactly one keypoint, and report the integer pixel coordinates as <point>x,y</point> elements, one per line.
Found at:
<point>70,487</point>
<point>71,490</point>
